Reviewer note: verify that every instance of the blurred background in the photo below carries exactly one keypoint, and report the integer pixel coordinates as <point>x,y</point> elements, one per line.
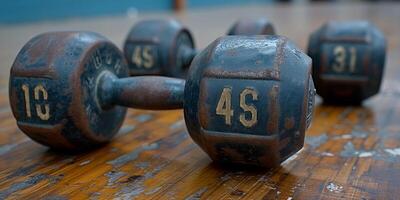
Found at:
<point>17,11</point>
<point>206,19</point>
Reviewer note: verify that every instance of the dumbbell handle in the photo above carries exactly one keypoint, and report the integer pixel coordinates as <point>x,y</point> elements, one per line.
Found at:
<point>143,92</point>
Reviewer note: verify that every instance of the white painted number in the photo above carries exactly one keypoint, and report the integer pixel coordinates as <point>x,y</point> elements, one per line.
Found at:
<point>340,53</point>
<point>142,57</point>
<point>248,108</point>
<point>25,88</point>
<point>42,111</point>
<point>224,107</point>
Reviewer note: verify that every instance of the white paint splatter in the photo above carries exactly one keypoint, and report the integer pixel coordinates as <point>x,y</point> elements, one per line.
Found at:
<point>177,124</point>
<point>126,129</point>
<point>365,154</point>
<point>291,158</point>
<point>328,154</point>
<point>153,191</point>
<point>113,176</point>
<point>394,152</point>
<point>85,162</point>
<point>332,187</point>
<point>6,148</point>
<point>346,136</point>
<point>316,141</point>
<point>144,117</point>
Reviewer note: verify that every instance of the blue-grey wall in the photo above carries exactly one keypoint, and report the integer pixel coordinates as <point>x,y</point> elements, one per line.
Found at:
<point>17,11</point>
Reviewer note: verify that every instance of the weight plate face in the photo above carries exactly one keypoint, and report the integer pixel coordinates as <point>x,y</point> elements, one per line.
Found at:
<point>102,123</point>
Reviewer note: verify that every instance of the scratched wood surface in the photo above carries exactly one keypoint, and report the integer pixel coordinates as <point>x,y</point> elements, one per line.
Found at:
<point>350,152</point>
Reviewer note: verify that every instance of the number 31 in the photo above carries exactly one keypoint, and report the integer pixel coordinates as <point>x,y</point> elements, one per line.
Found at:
<point>340,54</point>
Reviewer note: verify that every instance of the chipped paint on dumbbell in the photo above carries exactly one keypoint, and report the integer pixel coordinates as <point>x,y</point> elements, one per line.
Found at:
<point>253,101</point>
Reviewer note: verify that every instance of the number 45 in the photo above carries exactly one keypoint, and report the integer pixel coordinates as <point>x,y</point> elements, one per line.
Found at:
<point>224,106</point>
<point>142,57</point>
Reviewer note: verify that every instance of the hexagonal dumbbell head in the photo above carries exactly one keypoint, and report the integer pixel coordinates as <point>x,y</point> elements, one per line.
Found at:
<point>249,100</point>
<point>166,47</point>
<point>348,61</point>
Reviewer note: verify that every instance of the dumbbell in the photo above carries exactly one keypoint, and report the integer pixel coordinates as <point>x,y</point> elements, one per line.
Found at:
<point>166,47</point>
<point>348,61</point>
<point>247,99</point>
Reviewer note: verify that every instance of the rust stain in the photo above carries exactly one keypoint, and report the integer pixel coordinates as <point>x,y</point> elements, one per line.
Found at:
<point>273,107</point>
<point>243,75</point>
<point>279,56</point>
<point>203,107</point>
<point>289,123</point>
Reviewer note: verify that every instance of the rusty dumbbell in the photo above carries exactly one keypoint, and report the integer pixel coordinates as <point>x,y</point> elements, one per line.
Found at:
<point>166,47</point>
<point>247,99</point>
<point>348,61</point>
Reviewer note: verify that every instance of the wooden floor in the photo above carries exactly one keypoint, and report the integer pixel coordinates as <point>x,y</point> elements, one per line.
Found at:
<point>350,152</point>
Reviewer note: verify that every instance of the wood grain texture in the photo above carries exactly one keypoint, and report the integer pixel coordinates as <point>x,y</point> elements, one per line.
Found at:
<point>350,152</point>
